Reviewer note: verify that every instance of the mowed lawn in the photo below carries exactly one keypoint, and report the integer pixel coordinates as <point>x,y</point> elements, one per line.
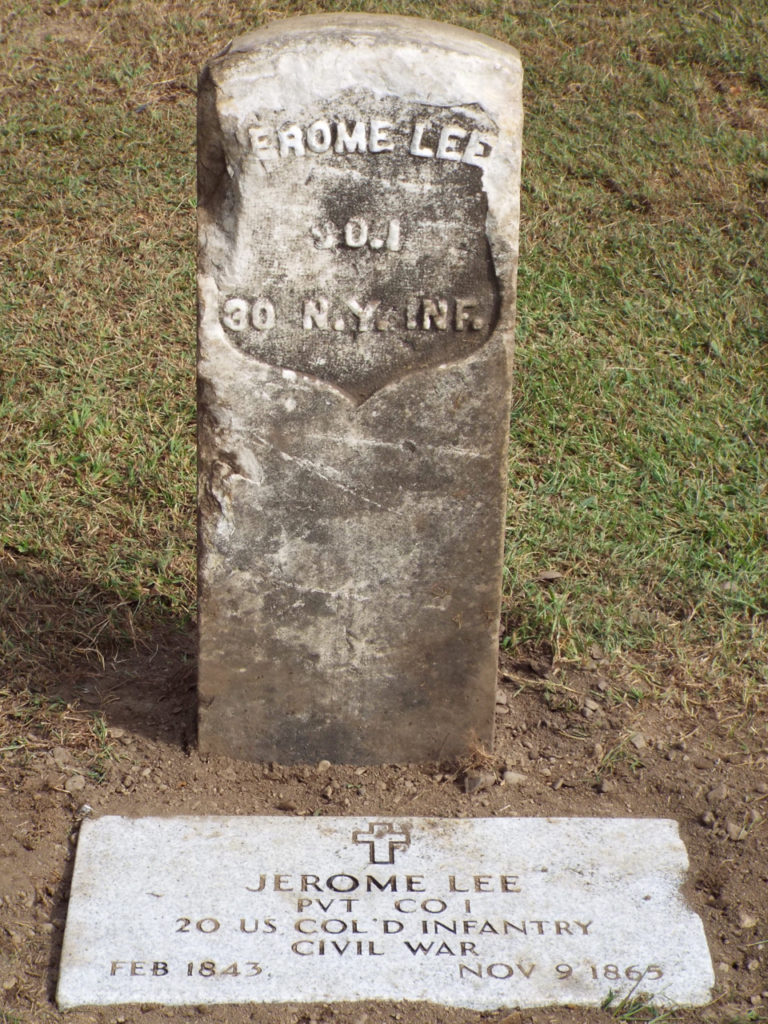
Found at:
<point>637,505</point>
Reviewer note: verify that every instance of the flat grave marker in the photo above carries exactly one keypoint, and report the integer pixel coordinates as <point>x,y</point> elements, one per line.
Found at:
<point>476,913</point>
<point>358,225</point>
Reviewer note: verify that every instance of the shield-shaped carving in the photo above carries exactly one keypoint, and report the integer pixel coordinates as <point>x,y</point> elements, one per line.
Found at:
<point>360,251</point>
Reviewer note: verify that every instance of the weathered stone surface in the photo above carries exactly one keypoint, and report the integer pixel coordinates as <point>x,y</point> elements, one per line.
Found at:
<point>358,195</point>
<point>477,913</point>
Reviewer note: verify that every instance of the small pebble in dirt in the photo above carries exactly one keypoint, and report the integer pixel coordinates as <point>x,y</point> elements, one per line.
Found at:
<point>323,766</point>
<point>734,831</point>
<point>606,786</point>
<point>638,741</point>
<point>74,784</point>
<point>474,782</point>
<point>716,795</point>
<point>761,787</point>
<point>513,778</point>
<point>747,920</point>
<point>708,819</point>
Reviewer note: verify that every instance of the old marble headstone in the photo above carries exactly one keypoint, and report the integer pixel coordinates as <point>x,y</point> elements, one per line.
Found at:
<point>358,217</point>
<point>478,913</point>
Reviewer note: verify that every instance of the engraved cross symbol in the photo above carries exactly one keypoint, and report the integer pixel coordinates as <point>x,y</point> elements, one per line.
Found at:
<point>382,839</point>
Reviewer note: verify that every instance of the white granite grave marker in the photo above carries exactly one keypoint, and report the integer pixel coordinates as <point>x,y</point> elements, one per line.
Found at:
<point>476,913</point>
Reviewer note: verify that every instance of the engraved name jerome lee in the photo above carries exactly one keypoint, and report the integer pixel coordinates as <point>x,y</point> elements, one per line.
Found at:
<point>408,922</point>
<point>448,142</point>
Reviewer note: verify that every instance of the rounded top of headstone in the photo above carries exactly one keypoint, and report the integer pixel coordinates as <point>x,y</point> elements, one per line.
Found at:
<point>387,27</point>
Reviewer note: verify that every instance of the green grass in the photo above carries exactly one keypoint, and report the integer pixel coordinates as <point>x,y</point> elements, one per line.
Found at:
<point>639,434</point>
<point>640,425</point>
<point>638,1010</point>
<point>32,723</point>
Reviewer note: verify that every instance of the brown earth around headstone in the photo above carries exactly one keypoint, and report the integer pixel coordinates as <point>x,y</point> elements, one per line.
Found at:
<point>572,740</point>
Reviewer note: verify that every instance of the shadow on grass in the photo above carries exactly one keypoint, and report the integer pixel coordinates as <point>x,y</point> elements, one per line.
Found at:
<point>131,662</point>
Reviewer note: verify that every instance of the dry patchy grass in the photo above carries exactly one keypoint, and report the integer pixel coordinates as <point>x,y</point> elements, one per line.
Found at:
<point>640,425</point>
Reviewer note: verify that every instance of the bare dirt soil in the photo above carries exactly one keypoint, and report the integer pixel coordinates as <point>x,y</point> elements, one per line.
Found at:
<point>585,738</point>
